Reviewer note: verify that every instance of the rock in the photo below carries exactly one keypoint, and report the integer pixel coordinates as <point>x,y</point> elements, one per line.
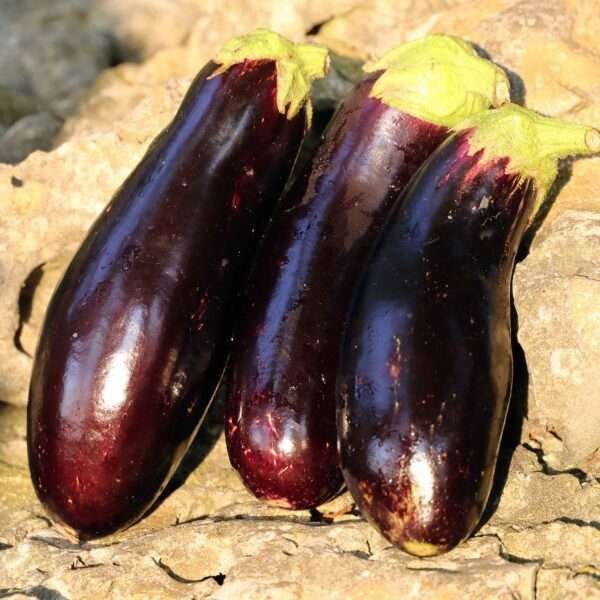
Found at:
<point>47,72</point>
<point>33,132</point>
<point>556,292</point>
<point>129,22</point>
<point>557,584</point>
<point>557,544</point>
<point>201,25</point>
<point>33,299</point>
<point>533,496</point>
<point>369,29</point>
<point>208,537</point>
<point>14,105</point>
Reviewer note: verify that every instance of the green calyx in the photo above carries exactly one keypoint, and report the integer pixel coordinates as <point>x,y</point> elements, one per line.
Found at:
<point>297,66</point>
<point>533,143</point>
<point>440,79</point>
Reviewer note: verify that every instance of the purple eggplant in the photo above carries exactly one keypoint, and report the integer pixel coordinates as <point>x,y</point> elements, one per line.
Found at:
<point>137,333</point>
<point>280,413</point>
<point>426,369</point>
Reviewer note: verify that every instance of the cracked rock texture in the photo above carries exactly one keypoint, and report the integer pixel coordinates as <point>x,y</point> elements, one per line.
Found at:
<point>209,538</point>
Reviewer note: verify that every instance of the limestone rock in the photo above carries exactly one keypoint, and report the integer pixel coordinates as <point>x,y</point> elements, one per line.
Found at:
<point>208,537</point>
<point>33,132</point>
<point>556,291</point>
<point>204,25</point>
<point>534,496</point>
<point>256,559</point>
<point>557,584</point>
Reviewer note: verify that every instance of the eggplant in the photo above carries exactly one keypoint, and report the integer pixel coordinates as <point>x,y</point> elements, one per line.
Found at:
<point>137,333</point>
<point>426,368</point>
<point>280,410</point>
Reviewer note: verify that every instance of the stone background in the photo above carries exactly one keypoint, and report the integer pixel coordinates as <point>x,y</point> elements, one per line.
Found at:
<point>93,82</point>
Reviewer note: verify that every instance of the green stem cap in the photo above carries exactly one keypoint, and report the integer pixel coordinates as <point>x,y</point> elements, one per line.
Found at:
<point>297,66</point>
<point>533,143</point>
<point>439,78</point>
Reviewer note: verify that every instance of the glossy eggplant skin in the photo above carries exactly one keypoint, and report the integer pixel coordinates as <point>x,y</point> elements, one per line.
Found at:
<point>426,369</point>
<point>136,335</point>
<point>280,413</point>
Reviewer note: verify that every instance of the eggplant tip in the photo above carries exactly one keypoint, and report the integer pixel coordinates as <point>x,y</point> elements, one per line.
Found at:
<point>422,549</point>
<point>592,140</point>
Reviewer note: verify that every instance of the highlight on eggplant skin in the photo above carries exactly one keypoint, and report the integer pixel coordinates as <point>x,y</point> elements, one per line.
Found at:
<point>280,412</point>
<point>426,371</point>
<point>137,333</point>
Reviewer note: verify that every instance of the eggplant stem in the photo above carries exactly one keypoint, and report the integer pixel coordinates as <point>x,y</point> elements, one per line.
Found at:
<point>560,138</point>
<point>532,142</point>
<point>440,79</point>
<point>298,65</point>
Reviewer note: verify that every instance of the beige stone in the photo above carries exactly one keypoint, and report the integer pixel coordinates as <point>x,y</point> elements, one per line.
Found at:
<point>557,584</point>
<point>532,496</point>
<point>541,542</point>
<point>556,292</point>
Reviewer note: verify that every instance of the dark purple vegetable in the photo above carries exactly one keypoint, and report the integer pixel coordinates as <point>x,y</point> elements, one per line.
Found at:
<point>426,369</point>
<point>137,333</point>
<point>280,415</point>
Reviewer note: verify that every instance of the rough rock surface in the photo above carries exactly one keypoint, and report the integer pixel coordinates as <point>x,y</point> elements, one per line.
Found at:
<point>559,284</point>
<point>49,53</point>
<point>209,538</point>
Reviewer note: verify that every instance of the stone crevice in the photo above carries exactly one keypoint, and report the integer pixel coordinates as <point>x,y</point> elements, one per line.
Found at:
<point>578,522</point>
<point>79,564</point>
<point>432,570</point>
<point>589,277</point>
<point>292,520</point>
<point>584,101</point>
<point>316,27</point>
<point>25,303</point>
<point>575,572</point>
<point>579,474</point>
<point>519,560</point>
<point>219,578</point>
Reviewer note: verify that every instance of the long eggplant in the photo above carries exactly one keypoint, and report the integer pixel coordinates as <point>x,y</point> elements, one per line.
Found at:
<point>137,333</point>
<point>280,414</point>
<point>426,369</point>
